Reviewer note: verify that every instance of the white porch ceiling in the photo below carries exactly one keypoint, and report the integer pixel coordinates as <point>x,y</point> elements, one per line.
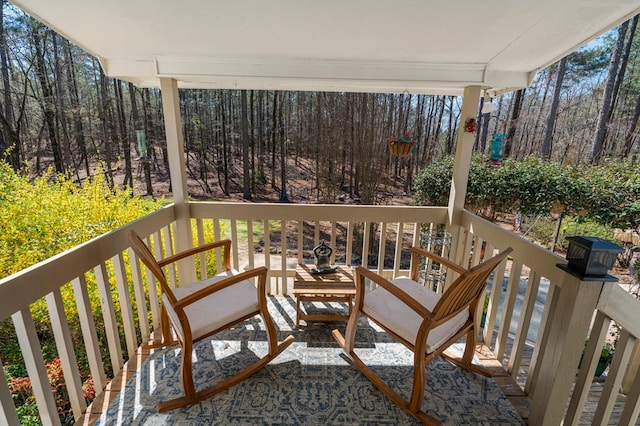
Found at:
<point>419,46</point>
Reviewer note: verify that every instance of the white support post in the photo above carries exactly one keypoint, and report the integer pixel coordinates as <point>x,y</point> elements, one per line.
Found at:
<point>566,332</point>
<point>175,152</point>
<point>462,161</point>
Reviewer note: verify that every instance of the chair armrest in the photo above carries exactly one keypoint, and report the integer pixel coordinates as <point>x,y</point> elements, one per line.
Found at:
<point>224,283</point>
<point>417,251</point>
<point>362,273</point>
<point>226,244</point>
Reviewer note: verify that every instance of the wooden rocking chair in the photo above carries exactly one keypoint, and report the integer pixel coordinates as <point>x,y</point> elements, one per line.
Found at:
<point>425,322</point>
<point>204,308</point>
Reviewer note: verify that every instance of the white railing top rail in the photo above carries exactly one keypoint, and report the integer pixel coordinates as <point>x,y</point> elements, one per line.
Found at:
<point>321,212</point>
<point>524,251</point>
<point>621,307</point>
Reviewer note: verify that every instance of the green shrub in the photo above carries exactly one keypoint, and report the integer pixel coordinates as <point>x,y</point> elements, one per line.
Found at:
<point>541,229</point>
<point>607,194</point>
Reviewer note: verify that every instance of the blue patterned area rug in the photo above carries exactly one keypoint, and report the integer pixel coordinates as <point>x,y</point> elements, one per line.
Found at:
<point>310,383</point>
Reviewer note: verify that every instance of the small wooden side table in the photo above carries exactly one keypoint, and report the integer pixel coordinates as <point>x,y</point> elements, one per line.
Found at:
<point>337,286</point>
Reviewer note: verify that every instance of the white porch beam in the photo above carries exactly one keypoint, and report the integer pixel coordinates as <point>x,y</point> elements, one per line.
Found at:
<point>175,152</point>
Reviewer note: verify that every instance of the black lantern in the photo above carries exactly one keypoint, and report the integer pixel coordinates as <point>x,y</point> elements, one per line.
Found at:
<point>323,259</point>
<point>591,256</point>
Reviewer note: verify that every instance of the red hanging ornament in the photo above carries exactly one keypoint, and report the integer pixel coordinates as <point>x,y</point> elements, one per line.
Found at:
<point>471,125</point>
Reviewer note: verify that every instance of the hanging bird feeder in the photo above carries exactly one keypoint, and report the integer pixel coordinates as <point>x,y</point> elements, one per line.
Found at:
<point>401,146</point>
<point>142,145</point>
<point>495,150</point>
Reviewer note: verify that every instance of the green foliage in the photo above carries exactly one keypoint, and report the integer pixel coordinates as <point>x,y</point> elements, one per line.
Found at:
<point>607,194</point>
<point>259,178</point>
<point>432,183</point>
<point>607,351</point>
<point>541,229</point>
<point>611,194</point>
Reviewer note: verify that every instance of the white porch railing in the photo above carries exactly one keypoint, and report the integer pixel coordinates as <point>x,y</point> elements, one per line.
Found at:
<point>569,306</point>
<point>105,265</point>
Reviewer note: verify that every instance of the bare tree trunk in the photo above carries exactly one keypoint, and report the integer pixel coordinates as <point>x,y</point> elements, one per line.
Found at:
<point>283,154</point>
<point>605,111</point>
<point>123,134</point>
<point>48,107</point>
<point>628,140</point>
<point>534,144</point>
<point>245,145</point>
<point>418,138</point>
<point>623,65</point>
<point>225,162</point>
<point>78,130</point>
<point>438,127</point>
<point>260,141</point>
<point>252,141</point>
<point>150,129</point>
<point>450,133</point>
<point>61,117</point>
<point>545,152</point>
<point>106,117</point>
<point>484,131</point>
<point>273,139</point>
<point>319,127</point>
<point>513,123</point>
<point>10,135</point>
<point>426,150</point>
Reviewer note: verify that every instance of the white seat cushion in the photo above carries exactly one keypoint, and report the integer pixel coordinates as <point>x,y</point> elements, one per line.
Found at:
<point>387,309</point>
<point>215,310</point>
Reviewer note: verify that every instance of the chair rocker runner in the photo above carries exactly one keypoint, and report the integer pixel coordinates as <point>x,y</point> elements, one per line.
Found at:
<point>204,308</point>
<point>427,323</point>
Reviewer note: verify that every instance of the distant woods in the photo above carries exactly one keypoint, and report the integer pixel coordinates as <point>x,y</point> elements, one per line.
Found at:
<point>58,109</point>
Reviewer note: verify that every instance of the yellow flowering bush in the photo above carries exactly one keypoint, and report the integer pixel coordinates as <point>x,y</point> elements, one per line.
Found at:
<point>50,214</point>
<point>41,218</point>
